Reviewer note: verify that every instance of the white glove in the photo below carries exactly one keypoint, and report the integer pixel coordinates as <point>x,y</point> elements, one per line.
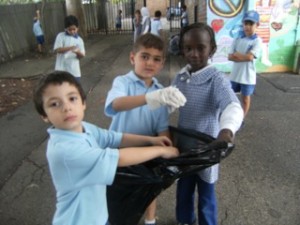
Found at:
<point>170,96</point>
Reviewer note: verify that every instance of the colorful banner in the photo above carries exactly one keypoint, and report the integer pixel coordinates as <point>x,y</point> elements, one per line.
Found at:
<point>277,28</point>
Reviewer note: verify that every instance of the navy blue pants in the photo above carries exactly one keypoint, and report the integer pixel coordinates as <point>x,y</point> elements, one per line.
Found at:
<point>207,203</point>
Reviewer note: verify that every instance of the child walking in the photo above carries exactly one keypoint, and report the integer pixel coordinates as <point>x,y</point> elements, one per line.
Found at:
<point>243,52</point>
<point>212,108</point>
<point>82,157</point>
<point>135,98</point>
<point>69,48</point>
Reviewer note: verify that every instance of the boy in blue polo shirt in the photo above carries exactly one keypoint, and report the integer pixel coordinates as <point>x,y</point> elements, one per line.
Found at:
<point>83,158</point>
<point>244,51</point>
<point>156,25</point>
<point>38,31</point>
<point>135,99</point>
<point>69,48</point>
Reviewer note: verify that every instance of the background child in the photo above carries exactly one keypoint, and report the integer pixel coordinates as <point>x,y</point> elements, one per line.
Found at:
<point>184,17</point>
<point>137,22</point>
<point>156,25</point>
<point>244,51</point>
<point>146,20</point>
<point>119,20</point>
<point>127,99</point>
<point>82,157</point>
<point>211,108</point>
<point>38,31</point>
<point>69,48</point>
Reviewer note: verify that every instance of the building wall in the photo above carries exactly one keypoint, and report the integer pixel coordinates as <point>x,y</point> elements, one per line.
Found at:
<point>16,22</point>
<point>154,5</point>
<point>278,28</point>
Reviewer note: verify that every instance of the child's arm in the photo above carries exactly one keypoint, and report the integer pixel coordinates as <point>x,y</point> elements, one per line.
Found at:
<point>239,57</point>
<point>132,156</point>
<point>128,102</point>
<point>230,121</point>
<point>73,48</point>
<point>78,53</point>
<point>63,50</point>
<point>169,96</point>
<point>165,134</point>
<point>129,140</point>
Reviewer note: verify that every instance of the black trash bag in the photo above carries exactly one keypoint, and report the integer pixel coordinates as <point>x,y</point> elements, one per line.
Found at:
<point>135,187</point>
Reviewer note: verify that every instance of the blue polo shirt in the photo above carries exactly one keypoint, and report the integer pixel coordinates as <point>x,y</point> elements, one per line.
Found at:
<point>68,61</point>
<point>81,165</point>
<point>141,120</point>
<point>37,29</point>
<point>245,72</point>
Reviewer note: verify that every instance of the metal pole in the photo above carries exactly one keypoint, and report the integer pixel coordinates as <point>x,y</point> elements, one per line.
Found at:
<point>132,13</point>
<point>145,3</point>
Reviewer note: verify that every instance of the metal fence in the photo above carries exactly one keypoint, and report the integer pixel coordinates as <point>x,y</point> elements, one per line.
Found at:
<point>16,36</point>
<point>101,17</point>
<point>174,14</point>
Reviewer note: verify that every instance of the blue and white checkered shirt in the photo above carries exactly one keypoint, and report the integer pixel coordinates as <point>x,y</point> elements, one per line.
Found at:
<point>208,93</point>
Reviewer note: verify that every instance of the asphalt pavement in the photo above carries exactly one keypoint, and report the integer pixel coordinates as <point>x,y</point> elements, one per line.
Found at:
<point>259,182</point>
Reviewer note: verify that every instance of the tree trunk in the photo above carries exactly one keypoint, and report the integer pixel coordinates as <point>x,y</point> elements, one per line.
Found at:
<point>75,8</point>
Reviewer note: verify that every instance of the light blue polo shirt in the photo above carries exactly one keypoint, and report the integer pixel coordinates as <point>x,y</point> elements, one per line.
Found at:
<point>81,165</point>
<point>68,61</point>
<point>156,26</point>
<point>245,72</point>
<point>37,29</point>
<point>141,120</point>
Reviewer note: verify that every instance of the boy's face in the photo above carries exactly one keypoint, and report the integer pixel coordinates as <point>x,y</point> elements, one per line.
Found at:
<point>64,107</point>
<point>249,27</point>
<point>72,30</point>
<point>147,63</point>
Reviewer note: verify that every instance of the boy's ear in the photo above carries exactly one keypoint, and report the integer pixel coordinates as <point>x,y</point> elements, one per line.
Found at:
<point>131,58</point>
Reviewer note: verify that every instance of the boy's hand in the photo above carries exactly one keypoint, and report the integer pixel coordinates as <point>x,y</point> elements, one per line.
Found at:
<point>74,48</point>
<point>161,141</point>
<point>169,152</point>
<point>170,96</point>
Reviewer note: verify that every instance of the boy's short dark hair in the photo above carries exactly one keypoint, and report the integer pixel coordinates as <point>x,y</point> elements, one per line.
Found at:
<point>157,13</point>
<point>70,21</point>
<point>149,40</point>
<point>54,78</point>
